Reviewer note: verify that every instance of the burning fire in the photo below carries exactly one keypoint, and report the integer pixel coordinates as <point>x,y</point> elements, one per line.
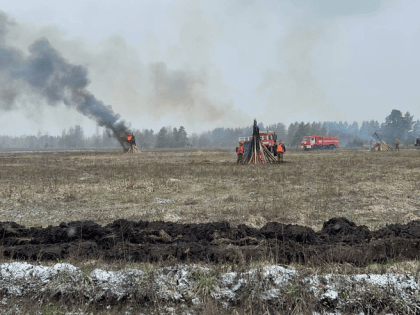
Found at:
<point>131,141</point>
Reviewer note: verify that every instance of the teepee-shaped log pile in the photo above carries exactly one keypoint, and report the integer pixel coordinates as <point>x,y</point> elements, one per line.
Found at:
<point>383,146</point>
<point>255,152</point>
<point>133,149</point>
<point>131,141</point>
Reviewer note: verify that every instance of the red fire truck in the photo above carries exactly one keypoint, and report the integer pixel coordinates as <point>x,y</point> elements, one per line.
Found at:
<point>319,142</point>
<point>268,139</point>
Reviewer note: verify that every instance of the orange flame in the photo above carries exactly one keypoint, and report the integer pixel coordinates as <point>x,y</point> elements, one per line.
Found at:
<point>129,137</point>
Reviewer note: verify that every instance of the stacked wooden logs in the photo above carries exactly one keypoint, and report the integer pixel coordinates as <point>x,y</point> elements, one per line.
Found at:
<point>255,152</point>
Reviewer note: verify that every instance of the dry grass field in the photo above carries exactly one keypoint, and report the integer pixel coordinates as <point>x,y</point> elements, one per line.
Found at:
<point>191,186</point>
<point>199,186</point>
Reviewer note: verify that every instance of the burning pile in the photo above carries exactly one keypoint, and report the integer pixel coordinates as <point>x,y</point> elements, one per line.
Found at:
<point>131,143</point>
<point>254,151</point>
<point>45,73</point>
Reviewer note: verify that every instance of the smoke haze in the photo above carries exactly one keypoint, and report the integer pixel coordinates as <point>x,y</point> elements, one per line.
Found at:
<point>182,91</point>
<point>295,89</point>
<point>45,73</point>
<point>206,64</point>
<point>140,91</point>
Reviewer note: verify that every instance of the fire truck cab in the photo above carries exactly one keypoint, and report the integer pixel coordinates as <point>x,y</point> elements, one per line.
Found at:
<point>268,139</point>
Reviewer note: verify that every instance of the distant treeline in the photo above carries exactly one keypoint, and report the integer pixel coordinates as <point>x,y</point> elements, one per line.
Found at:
<point>396,125</point>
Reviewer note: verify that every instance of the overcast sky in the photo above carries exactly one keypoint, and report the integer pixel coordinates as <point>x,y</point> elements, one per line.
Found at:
<point>211,63</point>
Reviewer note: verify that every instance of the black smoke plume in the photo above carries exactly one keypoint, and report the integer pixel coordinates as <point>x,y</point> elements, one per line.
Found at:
<point>44,72</point>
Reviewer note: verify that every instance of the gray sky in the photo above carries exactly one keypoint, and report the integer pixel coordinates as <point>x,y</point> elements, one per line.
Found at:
<point>210,63</point>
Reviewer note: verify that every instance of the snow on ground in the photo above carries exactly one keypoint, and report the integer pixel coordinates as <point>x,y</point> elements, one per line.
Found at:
<point>187,283</point>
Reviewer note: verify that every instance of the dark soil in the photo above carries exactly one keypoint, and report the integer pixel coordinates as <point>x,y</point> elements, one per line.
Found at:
<point>340,240</point>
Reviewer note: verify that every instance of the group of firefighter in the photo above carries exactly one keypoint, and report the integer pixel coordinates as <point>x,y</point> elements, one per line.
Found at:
<point>280,148</point>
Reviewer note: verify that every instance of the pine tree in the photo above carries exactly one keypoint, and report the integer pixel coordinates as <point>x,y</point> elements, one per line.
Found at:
<point>175,138</point>
<point>182,137</point>
<point>396,126</point>
<point>408,124</point>
<point>291,132</point>
<point>161,141</point>
<point>303,130</point>
<point>353,129</point>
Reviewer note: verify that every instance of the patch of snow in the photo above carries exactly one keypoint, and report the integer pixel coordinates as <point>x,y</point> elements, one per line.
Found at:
<point>23,271</point>
<point>115,283</point>
<point>18,277</point>
<point>161,201</point>
<point>179,283</point>
<point>330,294</point>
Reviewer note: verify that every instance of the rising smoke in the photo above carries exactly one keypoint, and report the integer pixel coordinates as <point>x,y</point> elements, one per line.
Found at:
<point>296,87</point>
<point>45,73</point>
<point>182,90</point>
<point>154,90</point>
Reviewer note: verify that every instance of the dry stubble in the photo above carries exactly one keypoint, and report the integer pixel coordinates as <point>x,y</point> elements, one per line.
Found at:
<point>191,186</point>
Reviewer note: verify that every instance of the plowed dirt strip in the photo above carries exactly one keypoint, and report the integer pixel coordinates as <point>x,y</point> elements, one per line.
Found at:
<point>340,240</point>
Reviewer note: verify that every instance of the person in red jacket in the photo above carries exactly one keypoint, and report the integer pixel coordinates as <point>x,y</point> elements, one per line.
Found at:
<point>240,152</point>
<point>281,148</point>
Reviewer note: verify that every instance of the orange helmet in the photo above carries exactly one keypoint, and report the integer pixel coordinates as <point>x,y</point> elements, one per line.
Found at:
<point>242,142</point>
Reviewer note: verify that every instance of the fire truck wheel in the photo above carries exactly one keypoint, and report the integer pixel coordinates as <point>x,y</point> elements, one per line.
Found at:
<point>316,147</point>
<point>331,146</point>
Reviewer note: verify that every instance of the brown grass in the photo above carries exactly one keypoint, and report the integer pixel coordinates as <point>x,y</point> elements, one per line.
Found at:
<point>191,186</point>
<point>371,188</point>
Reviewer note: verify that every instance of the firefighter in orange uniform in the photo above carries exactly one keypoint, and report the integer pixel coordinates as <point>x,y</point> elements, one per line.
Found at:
<point>281,148</point>
<point>240,152</point>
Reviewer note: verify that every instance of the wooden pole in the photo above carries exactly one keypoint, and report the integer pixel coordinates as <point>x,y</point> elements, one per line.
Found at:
<point>262,153</point>
<point>255,150</point>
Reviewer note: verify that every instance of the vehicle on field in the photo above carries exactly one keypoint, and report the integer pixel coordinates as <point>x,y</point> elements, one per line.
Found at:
<point>319,143</point>
<point>417,144</point>
<point>268,139</point>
